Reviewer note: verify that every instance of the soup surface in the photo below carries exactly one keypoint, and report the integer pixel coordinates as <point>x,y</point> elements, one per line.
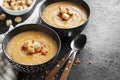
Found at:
<point>31,48</point>
<point>64,15</point>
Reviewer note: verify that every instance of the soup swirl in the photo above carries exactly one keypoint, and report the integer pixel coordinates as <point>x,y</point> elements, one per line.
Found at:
<point>64,15</point>
<point>31,48</point>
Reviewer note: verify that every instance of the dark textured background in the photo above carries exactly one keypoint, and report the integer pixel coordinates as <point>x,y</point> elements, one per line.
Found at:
<point>103,43</point>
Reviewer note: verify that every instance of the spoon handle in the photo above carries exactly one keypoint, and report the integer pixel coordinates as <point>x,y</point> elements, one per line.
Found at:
<point>68,67</point>
<point>59,65</point>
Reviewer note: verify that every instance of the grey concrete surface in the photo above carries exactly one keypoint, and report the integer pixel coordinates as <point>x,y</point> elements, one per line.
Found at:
<point>103,45</point>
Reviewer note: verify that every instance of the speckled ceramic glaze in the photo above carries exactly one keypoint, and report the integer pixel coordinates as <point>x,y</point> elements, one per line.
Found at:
<point>31,27</point>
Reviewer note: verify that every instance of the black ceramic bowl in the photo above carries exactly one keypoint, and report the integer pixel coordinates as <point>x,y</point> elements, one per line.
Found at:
<point>31,27</point>
<point>66,33</point>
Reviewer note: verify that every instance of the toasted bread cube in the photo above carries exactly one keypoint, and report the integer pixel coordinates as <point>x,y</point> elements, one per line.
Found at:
<point>18,19</point>
<point>2,16</point>
<point>6,4</point>
<point>70,12</point>
<point>31,49</point>
<point>9,22</point>
<point>65,16</point>
<point>29,2</point>
<point>23,2</point>
<point>36,45</point>
<point>28,43</point>
<point>12,3</point>
<point>14,7</point>
<point>24,6</point>
<point>29,46</point>
<point>19,2</point>
<point>63,10</point>
<point>20,7</point>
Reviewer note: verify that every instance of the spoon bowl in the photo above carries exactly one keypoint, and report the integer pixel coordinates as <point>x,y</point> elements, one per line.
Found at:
<point>78,42</point>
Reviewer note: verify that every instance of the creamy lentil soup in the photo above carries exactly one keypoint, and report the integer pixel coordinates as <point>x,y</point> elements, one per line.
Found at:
<point>31,48</point>
<point>64,15</point>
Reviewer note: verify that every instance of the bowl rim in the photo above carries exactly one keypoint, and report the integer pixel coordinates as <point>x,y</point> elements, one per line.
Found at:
<point>88,14</point>
<point>34,1</point>
<point>7,56</point>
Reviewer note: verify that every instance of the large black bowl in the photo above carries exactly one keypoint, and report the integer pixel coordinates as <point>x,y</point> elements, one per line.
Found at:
<point>31,27</point>
<point>65,34</point>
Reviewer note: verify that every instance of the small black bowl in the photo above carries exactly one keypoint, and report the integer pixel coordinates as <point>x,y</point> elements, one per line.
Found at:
<point>65,34</point>
<point>31,27</point>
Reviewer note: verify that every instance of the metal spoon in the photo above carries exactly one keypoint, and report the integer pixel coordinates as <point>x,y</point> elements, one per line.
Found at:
<point>77,44</point>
